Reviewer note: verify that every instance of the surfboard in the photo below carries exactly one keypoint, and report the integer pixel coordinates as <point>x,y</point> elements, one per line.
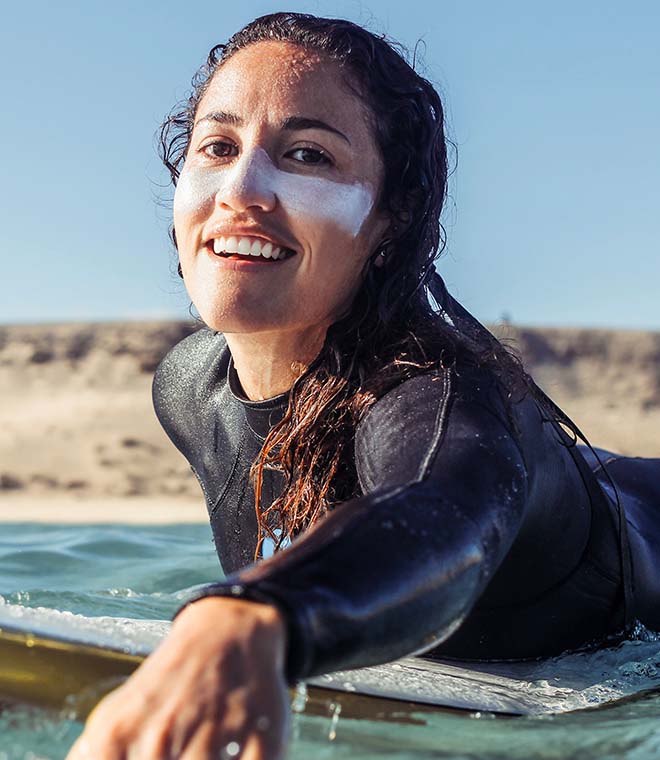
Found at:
<point>69,662</point>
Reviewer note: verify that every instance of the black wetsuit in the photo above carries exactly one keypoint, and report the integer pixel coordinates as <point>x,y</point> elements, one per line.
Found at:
<point>480,532</point>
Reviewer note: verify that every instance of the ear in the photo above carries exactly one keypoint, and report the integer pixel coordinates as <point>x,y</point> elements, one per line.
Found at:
<point>386,226</point>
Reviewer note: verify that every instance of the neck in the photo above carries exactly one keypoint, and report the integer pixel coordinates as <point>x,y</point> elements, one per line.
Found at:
<point>268,364</point>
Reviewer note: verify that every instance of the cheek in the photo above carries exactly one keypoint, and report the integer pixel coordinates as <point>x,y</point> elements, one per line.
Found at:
<point>313,201</point>
<point>193,197</point>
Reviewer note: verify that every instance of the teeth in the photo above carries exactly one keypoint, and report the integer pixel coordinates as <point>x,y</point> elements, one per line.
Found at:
<point>246,246</point>
<point>243,246</point>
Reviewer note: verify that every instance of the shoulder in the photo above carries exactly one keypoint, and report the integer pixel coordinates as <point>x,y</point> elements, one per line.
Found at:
<point>426,398</point>
<point>403,434</point>
<point>183,362</point>
<point>187,370</point>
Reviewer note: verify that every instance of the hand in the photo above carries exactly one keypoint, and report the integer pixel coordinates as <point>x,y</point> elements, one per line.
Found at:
<point>215,688</point>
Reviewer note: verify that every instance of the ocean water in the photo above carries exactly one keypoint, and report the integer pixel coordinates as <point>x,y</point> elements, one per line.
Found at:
<point>142,573</point>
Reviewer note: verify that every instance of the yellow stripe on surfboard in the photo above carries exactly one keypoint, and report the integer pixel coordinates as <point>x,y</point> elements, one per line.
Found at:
<point>54,673</point>
<point>73,677</point>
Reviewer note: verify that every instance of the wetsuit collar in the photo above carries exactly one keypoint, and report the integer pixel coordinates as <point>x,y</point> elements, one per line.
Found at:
<point>261,416</point>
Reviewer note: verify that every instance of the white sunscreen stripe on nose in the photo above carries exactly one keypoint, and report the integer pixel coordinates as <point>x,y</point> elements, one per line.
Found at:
<point>348,205</point>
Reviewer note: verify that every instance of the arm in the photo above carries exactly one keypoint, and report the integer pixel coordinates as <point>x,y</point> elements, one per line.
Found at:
<point>397,570</point>
<point>391,573</point>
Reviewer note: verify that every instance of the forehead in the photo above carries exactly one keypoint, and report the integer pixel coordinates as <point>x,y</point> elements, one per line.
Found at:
<point>278,79</point>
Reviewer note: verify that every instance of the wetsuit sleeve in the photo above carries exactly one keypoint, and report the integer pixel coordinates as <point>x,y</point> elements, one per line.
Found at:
<point>397,570</point>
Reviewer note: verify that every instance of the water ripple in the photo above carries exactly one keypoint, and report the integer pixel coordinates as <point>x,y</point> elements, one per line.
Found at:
<point>124,578</point>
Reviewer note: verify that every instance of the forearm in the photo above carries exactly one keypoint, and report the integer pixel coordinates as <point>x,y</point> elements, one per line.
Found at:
<point>383,576</point>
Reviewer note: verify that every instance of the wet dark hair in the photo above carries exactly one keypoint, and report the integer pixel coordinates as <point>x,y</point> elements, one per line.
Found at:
<point>392,331</point>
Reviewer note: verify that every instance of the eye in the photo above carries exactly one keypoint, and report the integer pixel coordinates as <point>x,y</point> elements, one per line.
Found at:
<point>217,149</point>
<point>317,157</point>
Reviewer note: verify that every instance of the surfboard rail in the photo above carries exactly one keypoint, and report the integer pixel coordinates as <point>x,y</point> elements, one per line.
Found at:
<point>67,663</point>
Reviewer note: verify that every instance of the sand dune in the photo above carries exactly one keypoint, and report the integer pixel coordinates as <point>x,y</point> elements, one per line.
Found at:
<point>77,423</point>
<point>76,412</point>
<point>608,381</point>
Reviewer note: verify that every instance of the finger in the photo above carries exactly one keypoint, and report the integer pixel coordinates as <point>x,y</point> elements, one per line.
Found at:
<point>78,751</point>
<point>256,749</point>
<point>184,729</point>
<point>201,745</point>
<point>151,744</point>
<point>163,735</point>
<point>83,749</point>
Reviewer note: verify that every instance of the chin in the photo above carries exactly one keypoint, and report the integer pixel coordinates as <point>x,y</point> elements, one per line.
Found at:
<point>233,310</point>
<point>236,320</point>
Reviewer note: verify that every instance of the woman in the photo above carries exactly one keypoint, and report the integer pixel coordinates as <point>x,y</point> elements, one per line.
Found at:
<point>436,502</point>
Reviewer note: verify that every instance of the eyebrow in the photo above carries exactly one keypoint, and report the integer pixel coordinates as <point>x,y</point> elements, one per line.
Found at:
<point>291,123</point>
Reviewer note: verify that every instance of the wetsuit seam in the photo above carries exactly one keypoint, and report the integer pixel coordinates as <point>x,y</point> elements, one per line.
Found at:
<point>225,487</point>
<point>203,487</point>
<point>584,554</point>
<point>515,439</point>
<point>603,465</point>
<point>261,438</point>
<point>610,508</point>
<point>588,560</point>
<point>583,558</point>
<point>439,430</point>
<point>257,435</point>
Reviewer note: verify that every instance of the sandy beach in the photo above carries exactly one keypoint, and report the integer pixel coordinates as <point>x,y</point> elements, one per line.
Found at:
<point>79,441</point>
<point>128,511</point>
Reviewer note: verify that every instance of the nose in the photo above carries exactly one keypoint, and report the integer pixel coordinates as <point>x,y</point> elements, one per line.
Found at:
<point>249,183</point>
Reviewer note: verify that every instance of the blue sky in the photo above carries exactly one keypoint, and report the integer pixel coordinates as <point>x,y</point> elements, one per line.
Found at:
<point>554,216</point>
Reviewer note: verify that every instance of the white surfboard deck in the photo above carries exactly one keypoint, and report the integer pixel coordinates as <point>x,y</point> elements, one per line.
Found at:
<point>45,652</point>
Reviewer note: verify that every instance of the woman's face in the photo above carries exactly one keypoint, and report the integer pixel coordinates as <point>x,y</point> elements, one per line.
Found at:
<point>281,153</point>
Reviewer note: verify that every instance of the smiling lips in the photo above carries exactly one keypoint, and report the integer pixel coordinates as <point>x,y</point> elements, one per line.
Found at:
<point>249,247</point>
